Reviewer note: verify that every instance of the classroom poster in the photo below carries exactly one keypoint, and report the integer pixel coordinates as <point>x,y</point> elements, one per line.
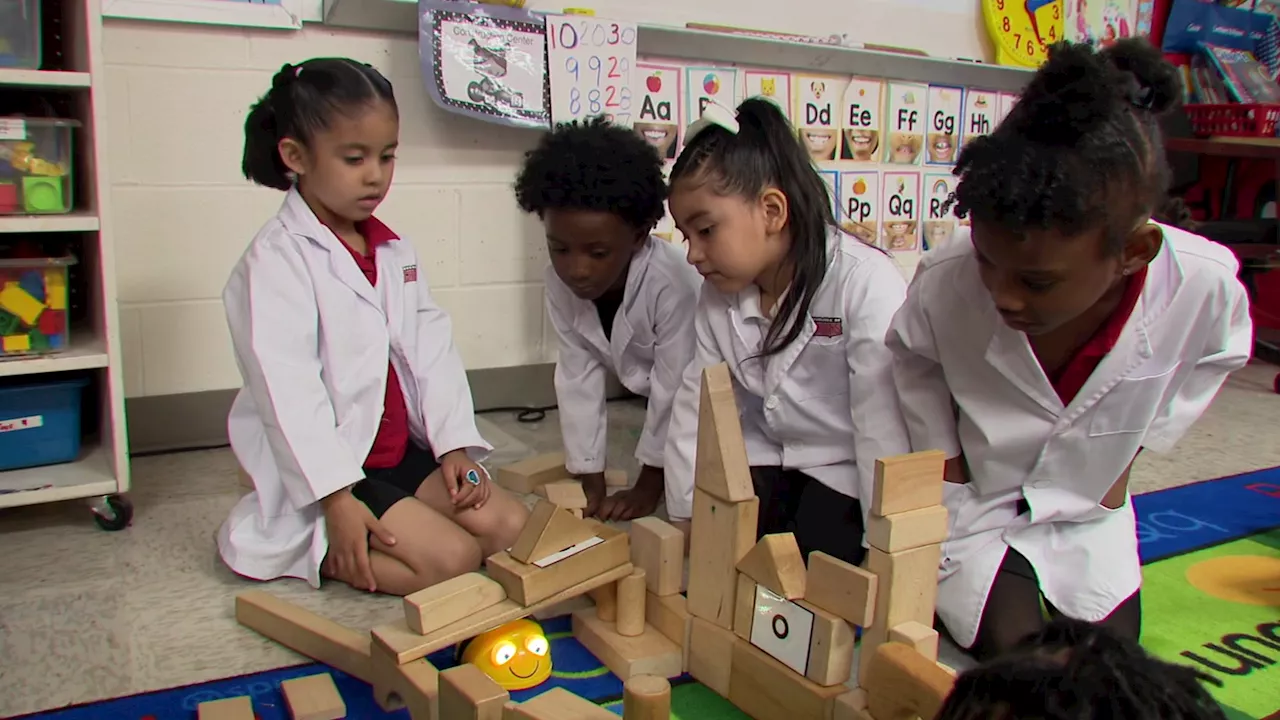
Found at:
<point>590,62</point>
<point>979,114</point>
<point>819,99</point>
<point>659,113</point>
<point>900,216</point>
<point>772,85</point>
<point>704,83</point>
<point>861,120</point>
<point>946,105</point>
<point>860,204</point>
<point>906,105</point>
<point>1007,101</point>
<point>939,223</point>
<point>488,67</point>
<point>832,180</point>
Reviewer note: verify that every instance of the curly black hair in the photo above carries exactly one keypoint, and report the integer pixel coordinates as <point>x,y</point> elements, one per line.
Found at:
<point>1073,670</point>
<point>1080,150</point>
<point>594,165</point>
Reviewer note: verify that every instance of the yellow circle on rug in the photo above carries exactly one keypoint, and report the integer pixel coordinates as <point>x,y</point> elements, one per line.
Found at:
<point>1244,579</point>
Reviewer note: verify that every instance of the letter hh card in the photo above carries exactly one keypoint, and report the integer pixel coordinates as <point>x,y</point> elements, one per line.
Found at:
<point>906,105</point>
<point>980,108</point>
<point>945,107</point>
<point>775,86</point>
<point>939,224</point>
<point>901,216</point>
<point>862,120</point>
<point>817,115</point>
<point>659,118</point>
<point>708,83</point>
<point>832,179</point>
<point>1007,101</point>
<point>860,204</point>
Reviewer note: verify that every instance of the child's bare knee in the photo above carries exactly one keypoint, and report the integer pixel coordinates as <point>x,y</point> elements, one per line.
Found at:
<point>458,556</point>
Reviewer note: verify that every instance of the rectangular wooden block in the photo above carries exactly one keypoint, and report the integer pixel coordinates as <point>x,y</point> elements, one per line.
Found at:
<point>313,697</point>
<point>901,683</point>
<point>907,530</point>
<point>830,647</point>
<point>917,635</point>
<point>838,587</point>
<point>766,689</point>
<point>906,590</point>
<point>744,606</point>
<point>432,608</point>
<point>669,615</point>
<point>530,584</point>
<point>908,482</point>
<point>466,693</point>
<point>851,706</point>
<point>649,653</point>
<point>567,494</point>
<point>413,684</point>
<point>658,547</point>
<point>305,632</point>
<point>711,655</point>
<point>236,708</point>
<point>528,474</point>
<point>723,532</point>
<point>555,704</point>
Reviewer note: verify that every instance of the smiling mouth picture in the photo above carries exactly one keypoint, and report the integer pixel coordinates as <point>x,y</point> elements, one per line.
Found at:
<point>819,142</point>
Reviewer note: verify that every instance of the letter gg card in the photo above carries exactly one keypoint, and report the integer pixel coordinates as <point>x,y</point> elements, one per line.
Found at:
<point>901,215</point>
<point>659,120</point>
<point>775,86</point>
<point>817,116</point>
<point>945,107</point>
<point>862,120</point>
<point>708,83</point>
<point>906,104</point>
<point>980,109</point>
<point>938,224</point>
<point>860,204</point>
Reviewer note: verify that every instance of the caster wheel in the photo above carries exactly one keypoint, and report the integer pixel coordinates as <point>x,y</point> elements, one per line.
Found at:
<point>114,512</point>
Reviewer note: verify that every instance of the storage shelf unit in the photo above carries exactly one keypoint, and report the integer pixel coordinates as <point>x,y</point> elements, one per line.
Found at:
<point>78,82</point>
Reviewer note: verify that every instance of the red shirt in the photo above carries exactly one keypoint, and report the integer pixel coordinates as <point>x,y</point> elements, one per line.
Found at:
<point>1072,376</point>
<point>392,440</point>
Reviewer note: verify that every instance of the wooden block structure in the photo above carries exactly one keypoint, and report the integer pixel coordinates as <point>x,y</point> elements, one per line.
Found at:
<point>646,697</point>
<point>450,601</point>
<point>525,476</point>
<point>466,693</point>
<point>556,704</point>
<point>236,708</point>
<point>313,697</point>
<point>567,494</point>
<point>658,548</point>
<point>549,530</point>
<point>630,594</point>
<point>775,562</point>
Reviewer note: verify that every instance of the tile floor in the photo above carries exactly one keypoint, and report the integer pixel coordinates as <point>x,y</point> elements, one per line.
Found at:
<point>86,614</point>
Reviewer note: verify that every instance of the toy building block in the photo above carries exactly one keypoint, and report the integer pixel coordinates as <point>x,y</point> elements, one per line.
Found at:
<point>615,478</point>
<point>908,482</point>
<point>450,601</point>
<point>236,708</point>
<point>744,607</point>
<point>529,584</point>
<point>902,683</point>
<point>52,322</point>
<point>567,494</point>
<point>528,474</point>
<point>720,467</point>
<point>556,704</point>
<point>669,615</point>
<point>723,532</point>
<point>807,639</point>
<point>907,530</point>
<point>9,323</point>
<point>766,689</point>
<point>313,697</point>
<point>851,706</point>
<point>43,195</point>
<point>775,562</point>
<point>646,697</point>
<point>830,647</point>
<point>606,599</point>
<point>658,547</point>
<point>649,653</point>
<point>919,636</point>
<point>15,300</point>
<point>413,684</point>
<point>405,645</point>
<point>711,655</point>
<point>305,632</point>
<point>549,530</point>
<point>948,670</point>
<point>631,592</point>
<point>33,282</point>
<point>907,590</point>
<point>16,343</point>
<point>841,588</point>
<point>466,693</point>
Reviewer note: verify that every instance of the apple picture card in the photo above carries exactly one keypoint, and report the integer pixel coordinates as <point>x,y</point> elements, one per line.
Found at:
<point>939,223</point>
<point>658,115</point>
<point>775,86</point>
<point>900,219</point>
<point>705,83</point>
<point>907,105</point>
<point>979,114</point>
<point>946,104</point>
<point>860,204</point>
<point>862,120</point>
<point>817,114</point>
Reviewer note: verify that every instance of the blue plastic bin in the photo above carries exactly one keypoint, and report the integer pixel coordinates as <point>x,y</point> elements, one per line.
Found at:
<point>40,423</point>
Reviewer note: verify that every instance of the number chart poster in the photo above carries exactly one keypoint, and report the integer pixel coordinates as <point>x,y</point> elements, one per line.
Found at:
<point>490,67</point>
<point>659,114</point>
<point>591,63</point>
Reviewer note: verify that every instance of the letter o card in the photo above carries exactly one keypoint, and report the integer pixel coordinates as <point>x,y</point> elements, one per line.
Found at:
<point>862,120</point>
<point>782,629</point>
<point>939,224</point>
<point>659,119</point>
<point>817,115</point>
<point>860,204</point>
<point>907,106</point>
<point>980,109</point>
<point>900,220</point>
<point>774,86</point>
<point>945,107</point>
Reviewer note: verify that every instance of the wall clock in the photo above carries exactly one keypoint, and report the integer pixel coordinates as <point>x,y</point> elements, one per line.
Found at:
<point>1023,30</point>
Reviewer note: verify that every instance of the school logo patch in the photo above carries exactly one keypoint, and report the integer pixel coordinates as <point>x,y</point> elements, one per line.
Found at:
<point>410,273</point>
<point>827,327</point>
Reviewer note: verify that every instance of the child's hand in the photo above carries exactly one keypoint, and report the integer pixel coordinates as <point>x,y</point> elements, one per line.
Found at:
<point>593,486</point>
<point>348,523</point>
<point>639,501</point>
<point>467,482</point>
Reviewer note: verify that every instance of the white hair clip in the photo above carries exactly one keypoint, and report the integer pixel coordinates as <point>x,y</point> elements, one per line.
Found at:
<point>714,114</point>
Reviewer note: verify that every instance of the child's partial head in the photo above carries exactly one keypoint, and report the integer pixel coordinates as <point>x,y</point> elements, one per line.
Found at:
<point>1074,670</point>
<point>331,125</point>
<point>598,189</point>
<point>1060,194</point>
<point>754,209</point>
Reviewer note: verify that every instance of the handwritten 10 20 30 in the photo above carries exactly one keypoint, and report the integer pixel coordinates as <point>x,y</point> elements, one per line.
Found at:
<point>598,59</point>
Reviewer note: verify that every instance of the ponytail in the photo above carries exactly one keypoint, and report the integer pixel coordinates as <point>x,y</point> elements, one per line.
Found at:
<point>262,163</point>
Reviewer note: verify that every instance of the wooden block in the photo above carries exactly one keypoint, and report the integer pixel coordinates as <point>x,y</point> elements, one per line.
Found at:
<point>313,697</point>
<point>908,482</point>
<point>851,706</point>
<point>432,608</point>
<point>555,704</point>
<point>907,530</point>
<point>646,697</point>
<point>530,584</point>
<point>615,478</point>
<point>576,512</point>
<point>775,562</point>
<point>720,467</point>
<point>744,607</point>
<point>649,653</point>
<point>948,670</point>
<point>669,615</point>
<point>830,647</point>
<point>906,590</point>
<point>766,689</point>
<point>606,600</point>
<point>549,530</point>
<point>631,592</point>
<point>414,684</point>
<point>405,645</point>
<point>841,588</point>
<point>466,693</point>
<point>305,632</point>
<point>526,475</point>
<point>711,655</point>
<point>658,547</point>
<point>567,494</point>
<point>922,638</point>
<point>903,683</point>
<point>723,532</point>
<point>236,708</point>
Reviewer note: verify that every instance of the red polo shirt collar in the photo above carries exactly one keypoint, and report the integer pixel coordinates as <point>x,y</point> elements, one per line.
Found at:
<point>1071,378</point>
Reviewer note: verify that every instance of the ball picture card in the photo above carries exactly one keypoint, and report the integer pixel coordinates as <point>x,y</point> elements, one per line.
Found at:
<point>939,220</point>
<point>703,83</point>
<point>980,108</point>
<point>907,104</point>
<point>770,85</point>
<point>819,99</point>
<point>946,106</point>
<point>900,211</point>
<point>860,204</point>
<point>659,113</point>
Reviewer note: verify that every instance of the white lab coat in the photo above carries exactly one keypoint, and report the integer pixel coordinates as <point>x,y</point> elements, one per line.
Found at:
<point>824,405</point>
<point>312,339</point>
<point>649,345</point>
<point>1189,329</point>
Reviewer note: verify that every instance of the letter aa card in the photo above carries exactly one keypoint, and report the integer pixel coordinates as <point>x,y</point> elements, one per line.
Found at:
<point>939,224</point>
<point>659,118</point>
<point>775,86</point>
<point>979,114</point>
<point>1007,101</point>
<point>860,204</point>
<point>945,106</point>
<point>901,216</point>
<point>862,120</point>
<point>832,179</point>
<point>702,84</point>
<point>906,104</point>
<point>817,116</point>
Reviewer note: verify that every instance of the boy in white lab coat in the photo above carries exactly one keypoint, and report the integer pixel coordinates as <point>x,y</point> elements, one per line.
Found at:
<point>620,299</point>
<point>1062,334</point>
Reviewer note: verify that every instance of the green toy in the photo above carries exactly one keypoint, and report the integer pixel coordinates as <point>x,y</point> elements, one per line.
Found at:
<point>43,194</point>
<point>8,323</point>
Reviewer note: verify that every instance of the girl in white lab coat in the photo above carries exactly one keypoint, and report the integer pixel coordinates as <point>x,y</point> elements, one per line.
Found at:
<point>1055,339</point>
<point>620,299</point>
<point>798,311</point>
<point>355,421</point>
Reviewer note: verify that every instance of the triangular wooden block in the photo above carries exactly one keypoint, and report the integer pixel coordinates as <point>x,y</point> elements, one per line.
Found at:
<point>549,530</point>
<point>721,467</point>
<point>775,562</point>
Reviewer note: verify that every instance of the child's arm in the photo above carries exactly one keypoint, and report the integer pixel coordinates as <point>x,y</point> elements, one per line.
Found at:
<point>682,432</point>
<point>580,389</point>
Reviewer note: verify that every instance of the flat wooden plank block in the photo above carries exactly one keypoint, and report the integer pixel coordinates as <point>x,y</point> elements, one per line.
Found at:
<point>528,474</point>
<point>236,708</point>
<point>549,530</point>
<point>669,615</point>
<point>556,704</point>
<point>649,653</point>
<point>919,636</point>
<point>908,530</point>
<point>430,609</point>
<point>720,467</point>
<point>466,693</point>
<point>658,547</point>
<point>908,482</point>
<point>841,588</point>
<point>723,532</point>
<point>530,584</point>
<point>305,632</point>
<point>567,494</point>
<point>313,697</point>
<point>711,655</point>
<point>776,563</point>
<point>766,689</point>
